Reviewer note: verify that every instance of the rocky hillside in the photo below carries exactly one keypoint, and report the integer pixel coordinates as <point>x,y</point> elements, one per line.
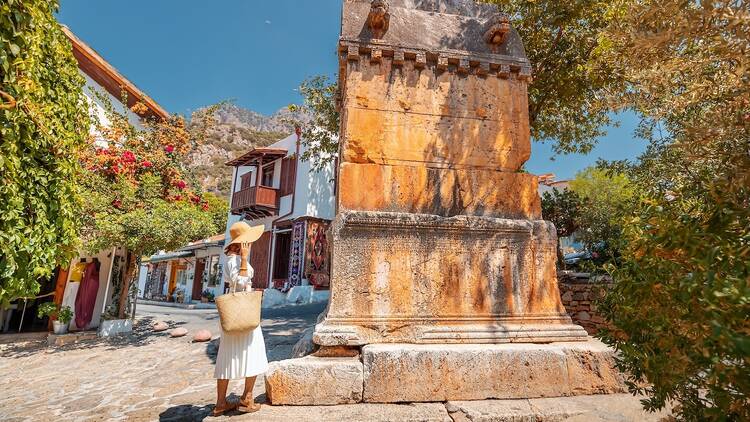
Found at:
<point>238,130</point>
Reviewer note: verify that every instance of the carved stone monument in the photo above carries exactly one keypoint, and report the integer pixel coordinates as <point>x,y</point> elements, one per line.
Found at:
<point>440,256</point>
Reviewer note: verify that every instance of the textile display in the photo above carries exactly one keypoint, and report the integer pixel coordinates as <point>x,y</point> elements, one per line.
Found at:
<point>86,296</point>
<point>317,254</point>
<point>296,254</point>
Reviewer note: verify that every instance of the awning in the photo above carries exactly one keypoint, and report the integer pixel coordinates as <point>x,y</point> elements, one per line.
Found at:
<point>255,155</point>
<point>169,256</point>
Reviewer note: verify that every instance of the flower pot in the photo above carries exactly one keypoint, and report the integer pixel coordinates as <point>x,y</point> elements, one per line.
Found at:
<point>59,327</point>
<point>204,300</point>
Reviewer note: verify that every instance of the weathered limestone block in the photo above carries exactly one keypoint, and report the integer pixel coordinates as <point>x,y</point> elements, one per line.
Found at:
<point>443,192</point>
<point>427,279</point>
<point>438,120</point>
<point>425,373</point>
<point>315,381</point>
<point>591,369</point>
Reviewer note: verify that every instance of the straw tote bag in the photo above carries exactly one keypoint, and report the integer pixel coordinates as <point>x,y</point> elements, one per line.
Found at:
<point>239,312</point>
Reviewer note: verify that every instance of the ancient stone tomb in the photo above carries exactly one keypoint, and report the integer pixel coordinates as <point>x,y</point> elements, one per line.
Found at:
<point>440,257</point>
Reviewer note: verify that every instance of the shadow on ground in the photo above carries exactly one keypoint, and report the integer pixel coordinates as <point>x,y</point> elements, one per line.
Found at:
<point>282,327</point>
<point>141,335</point>
<point>193,413</point>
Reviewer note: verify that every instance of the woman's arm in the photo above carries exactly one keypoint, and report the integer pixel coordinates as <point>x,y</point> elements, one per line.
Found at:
<point>232,273</point>
<point>244,254</point>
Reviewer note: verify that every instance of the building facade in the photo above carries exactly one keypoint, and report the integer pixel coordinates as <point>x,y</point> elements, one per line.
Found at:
<point>273,187</point>
<point>184,275</point>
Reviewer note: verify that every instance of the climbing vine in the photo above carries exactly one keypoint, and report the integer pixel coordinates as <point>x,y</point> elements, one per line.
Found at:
<point>43,123</point>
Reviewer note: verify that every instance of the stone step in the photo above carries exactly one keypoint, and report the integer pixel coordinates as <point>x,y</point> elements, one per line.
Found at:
<point>397,373</point>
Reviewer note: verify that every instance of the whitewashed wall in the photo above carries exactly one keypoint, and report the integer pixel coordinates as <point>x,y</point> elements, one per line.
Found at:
<point>97,107</point>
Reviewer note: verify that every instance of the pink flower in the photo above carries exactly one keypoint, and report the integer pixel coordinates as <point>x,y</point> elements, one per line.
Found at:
<point>117,203</point>
<point>177,197</point>
<point>169,149</point>
<point>146,164</point>
<point>180,184</point>
<point>128,157</point>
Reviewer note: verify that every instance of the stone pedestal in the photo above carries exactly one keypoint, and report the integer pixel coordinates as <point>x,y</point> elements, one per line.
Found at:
<point>422,278</point>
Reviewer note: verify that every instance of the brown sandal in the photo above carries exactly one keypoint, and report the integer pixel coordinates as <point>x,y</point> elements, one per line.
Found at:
<point>248,407</point>
<point>223,410</point>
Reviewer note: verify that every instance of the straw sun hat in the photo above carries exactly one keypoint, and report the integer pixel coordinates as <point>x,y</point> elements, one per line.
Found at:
<point>241,232</point>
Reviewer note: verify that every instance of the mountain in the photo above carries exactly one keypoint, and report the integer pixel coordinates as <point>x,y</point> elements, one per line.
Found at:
<point>237,131</point>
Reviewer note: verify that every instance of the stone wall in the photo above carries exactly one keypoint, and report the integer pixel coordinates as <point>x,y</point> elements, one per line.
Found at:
<point>578,293</point>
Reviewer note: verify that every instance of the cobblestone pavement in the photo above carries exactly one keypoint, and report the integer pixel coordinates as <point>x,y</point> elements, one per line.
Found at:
<point>142,376</point>
<point>148,376</point>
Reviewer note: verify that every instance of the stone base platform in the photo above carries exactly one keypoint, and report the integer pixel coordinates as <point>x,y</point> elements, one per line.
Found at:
<point>396,373</point>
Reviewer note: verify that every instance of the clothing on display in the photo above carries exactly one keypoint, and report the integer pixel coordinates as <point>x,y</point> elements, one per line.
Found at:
<point>86,296</point>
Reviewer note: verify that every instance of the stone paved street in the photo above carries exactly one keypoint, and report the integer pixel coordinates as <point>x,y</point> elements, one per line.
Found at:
<point>143,376</point>
<point>149,376</point>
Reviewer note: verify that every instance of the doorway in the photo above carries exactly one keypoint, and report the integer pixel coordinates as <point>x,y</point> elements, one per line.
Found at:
<point>281,258</point>
<point>200,264</point>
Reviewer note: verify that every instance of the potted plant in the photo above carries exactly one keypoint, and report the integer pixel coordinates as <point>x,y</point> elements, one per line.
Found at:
<point>60,317</point>
<point>207,296</point>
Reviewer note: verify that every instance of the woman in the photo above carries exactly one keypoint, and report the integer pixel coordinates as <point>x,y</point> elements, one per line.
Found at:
<point>241,355</point>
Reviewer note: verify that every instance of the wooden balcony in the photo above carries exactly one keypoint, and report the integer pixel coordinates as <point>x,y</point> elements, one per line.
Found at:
<point>255,202</point>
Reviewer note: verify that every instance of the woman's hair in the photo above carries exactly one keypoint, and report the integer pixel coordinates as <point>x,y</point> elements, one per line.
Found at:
<point>233,249</point>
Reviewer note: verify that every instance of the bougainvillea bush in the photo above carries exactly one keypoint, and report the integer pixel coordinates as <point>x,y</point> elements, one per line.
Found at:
<point>139,192</point>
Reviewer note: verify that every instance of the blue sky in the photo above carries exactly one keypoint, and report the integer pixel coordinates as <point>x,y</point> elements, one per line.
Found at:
<point>186,54</point>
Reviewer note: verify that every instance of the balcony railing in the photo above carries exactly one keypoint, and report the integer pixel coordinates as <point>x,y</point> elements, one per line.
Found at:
<point>255,202</point>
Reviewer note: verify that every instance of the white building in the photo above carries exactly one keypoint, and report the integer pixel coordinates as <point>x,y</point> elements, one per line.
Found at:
<point>103,84</point>
<point>272,186</point>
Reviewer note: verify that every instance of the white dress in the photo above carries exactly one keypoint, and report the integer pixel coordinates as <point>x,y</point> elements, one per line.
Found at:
<point>240,355</point>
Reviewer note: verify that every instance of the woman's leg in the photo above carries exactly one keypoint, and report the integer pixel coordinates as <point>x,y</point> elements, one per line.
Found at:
<point>221,393</point>
<point>247,395</point>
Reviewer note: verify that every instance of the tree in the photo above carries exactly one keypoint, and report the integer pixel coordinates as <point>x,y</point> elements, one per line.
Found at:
<point>563,209</point>
<point>320,135</point>
<point>218,207</point>
<point>567,96</point>
<point>43,123</point>
<point>140,193</point>
<point>679,308</point>
<point>607,196</point>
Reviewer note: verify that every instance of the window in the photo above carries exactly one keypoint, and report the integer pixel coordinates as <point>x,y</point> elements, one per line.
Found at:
<point>212,271</point>
<point>246,180</point>
<point>267,176</point>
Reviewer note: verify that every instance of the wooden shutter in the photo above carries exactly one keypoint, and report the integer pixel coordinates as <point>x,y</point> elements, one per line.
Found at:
<point>288,164</point>
<point>246,180</point>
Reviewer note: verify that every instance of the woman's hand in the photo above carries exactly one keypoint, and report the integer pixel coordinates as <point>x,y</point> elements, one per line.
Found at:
<point>245,249</point>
